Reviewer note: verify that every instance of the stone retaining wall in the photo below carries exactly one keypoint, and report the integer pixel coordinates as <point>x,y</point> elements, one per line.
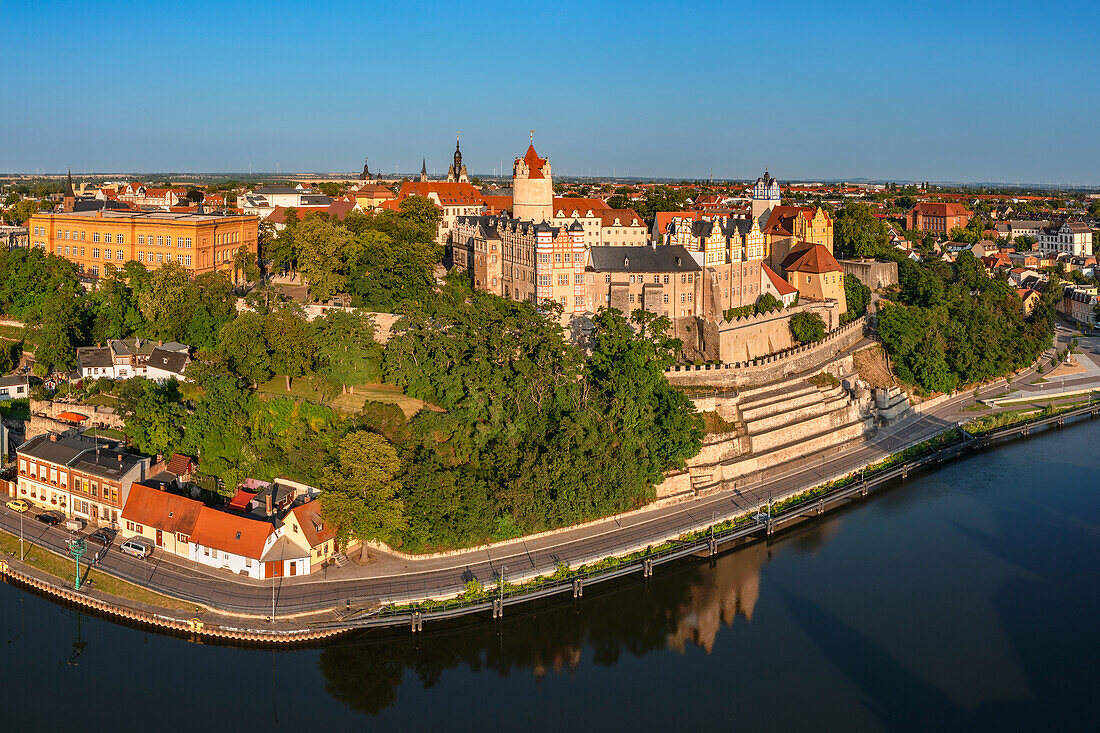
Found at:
<point>769,368</point>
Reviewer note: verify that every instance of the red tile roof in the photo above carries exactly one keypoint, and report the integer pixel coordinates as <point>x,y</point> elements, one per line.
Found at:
<point>582,206</point>
<point>784,287</point>
<point>315,529</point>
<point>812,258</point>
<point>241,499</point>
<point>72,416</point>
<point>497,204</point>
<point>231,533</point>
<point>180,464</point>
<point>161,510</point>
<point>663,218</point>
<point>626,217</point>
<point>534,162</point>
<point>449,194</point>
<point>932,208</point>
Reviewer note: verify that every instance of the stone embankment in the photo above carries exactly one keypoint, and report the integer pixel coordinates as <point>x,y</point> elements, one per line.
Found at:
<point>193,628</point>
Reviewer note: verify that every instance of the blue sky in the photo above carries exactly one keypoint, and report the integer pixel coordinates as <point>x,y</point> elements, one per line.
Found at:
<point>981,91</point>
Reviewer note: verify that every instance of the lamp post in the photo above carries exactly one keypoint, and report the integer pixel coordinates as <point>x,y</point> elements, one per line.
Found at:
<point>22,555</point>
<point>77,548</point>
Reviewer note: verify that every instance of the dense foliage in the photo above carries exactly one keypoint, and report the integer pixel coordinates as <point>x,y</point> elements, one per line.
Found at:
<point>807,327</point>
<point>534,435</point>
<point>956,325</point>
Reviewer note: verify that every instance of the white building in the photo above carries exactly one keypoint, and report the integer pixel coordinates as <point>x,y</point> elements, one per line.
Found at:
<point>1070,237</point>
<point>125,358</point>
<point>14,387</point>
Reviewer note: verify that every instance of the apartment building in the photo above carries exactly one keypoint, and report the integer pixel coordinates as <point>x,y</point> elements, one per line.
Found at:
<point>102,241</point>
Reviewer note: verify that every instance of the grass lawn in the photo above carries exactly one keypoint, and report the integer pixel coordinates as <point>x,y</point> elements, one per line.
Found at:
<point>63,568</point>
<point>302,388</point>
<point>976,407</point>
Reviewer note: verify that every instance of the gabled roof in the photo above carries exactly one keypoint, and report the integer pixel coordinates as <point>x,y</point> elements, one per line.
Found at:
<point>168,361</point>
<point>933,208</point>
<point>784,287</point>
<point>449,194</point>
<point>811,258</point>
<point>180,464</point>
<point>161,510</point>
<point>88,357</point>
<point>231,533</point>
<point>579,206</point>
<point>625,217</point>
<point>314,528</point>
<point>662,219</point>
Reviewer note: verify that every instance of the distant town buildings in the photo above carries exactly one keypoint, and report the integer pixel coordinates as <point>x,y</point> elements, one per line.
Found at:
<point>937,218</point>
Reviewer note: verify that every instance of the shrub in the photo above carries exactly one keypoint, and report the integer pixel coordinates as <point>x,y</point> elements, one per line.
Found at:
<point>807,327</point>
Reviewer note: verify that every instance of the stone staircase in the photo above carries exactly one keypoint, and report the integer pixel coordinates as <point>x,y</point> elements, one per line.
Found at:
<point>774,424</point>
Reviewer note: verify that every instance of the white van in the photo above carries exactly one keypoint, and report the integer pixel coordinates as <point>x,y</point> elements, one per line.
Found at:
<point>137,547</point>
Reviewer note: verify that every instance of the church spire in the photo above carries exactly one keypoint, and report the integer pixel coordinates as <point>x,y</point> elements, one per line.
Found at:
<point>69,185</point>
<point>424,169</point>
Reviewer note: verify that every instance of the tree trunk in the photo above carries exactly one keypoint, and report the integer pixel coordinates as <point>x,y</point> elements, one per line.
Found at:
<point>288,383</point>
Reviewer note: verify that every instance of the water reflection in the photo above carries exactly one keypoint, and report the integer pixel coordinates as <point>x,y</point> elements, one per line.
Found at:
<point>688,605</point>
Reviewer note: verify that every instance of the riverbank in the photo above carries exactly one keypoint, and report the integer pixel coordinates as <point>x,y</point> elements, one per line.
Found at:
<point>707,539</point>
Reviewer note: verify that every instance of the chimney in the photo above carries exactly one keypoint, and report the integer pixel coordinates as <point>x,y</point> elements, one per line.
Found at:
<point>53,437</point>
<point>267,499</point>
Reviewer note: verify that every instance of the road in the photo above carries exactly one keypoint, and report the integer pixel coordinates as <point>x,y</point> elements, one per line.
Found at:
<point>392,579</point>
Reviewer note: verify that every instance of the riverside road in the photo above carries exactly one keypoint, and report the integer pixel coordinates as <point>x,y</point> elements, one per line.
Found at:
<point>391,578</point>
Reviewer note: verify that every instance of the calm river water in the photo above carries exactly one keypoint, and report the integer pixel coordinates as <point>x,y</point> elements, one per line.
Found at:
<point>965,599</point>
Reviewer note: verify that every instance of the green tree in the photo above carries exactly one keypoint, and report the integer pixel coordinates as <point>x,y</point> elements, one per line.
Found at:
<point>290,343</point>
<point>219,431</point>
<point>856,295</point>
<point>243,343</point>
<point>244,265</point>
<point>858,233</point>
<point>153,414</point>
<point>767,303</point>
<point>422,212</point>
<point>347,354</point>
<point>360,496</point>
<point>58,329</point>
<point>807,327</point>
<point>321,248</point>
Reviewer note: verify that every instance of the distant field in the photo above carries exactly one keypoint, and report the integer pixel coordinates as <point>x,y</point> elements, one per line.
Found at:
<point>303,389</point>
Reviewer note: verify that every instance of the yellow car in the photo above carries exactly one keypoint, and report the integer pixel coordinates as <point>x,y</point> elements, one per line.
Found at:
<point>18,505</point>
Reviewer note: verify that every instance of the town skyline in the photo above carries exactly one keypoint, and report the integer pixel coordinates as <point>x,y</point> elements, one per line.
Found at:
<point>834,96</point>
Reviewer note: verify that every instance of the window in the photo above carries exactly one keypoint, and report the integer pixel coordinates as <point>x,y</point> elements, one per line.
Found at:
<point>95,252</point>
<point>95,270</point>
<point>141,257</point>
<point>160,240</point>
<point>607,277</point>
<point>179,258</point>
<point>107,237</point>
<point>160,257</point>
<point>141,239</point>
<point>557,257</point>
<point>666,279</point>
<point>544,258</point>
<point>187,260</point>
<point>167,241</point>
<point>121,240</point>
<point>189,242</point>
<point>106,254</point>
<point>119,255</point>
<point>95,236</point>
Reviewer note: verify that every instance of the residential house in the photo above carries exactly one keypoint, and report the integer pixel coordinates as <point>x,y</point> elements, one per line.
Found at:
<point>815,272</point>
<point>232,542</point>
<point>305,526</point>
<point>165,519</point>
<point>1030,299</point>
<point>77,475</point>
<point>14,387</point>
<point>1068,237</point>
<point>1079,304</point>
<point>125,358</point>
<point>167,363</point>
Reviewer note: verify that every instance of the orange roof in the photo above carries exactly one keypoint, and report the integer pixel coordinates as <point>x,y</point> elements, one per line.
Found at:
<point>932,208</point>
<point>313,526</point>
<point>241,499</point>
<point>72,416</point>
<point>497,204</point>
<point>784,287</point>
<point>663,218</point>
<point>180,464</point>
<point>812,258</point>
<point>626,217</point>
<point>449,194</point>
<point>231,533</point>
<point>161,510</point>
<point>534,162</point>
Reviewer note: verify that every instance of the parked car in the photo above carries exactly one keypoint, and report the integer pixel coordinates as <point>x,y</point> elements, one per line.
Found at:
<point>103,536</point>
<point>50,518</point>
<point>18,505</point>
<point>137,547</point>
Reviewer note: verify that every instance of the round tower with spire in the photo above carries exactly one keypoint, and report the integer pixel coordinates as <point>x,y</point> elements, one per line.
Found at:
<point>532,186</point>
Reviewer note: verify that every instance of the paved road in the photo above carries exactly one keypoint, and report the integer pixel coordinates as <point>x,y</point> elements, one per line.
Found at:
<point>393,578</point>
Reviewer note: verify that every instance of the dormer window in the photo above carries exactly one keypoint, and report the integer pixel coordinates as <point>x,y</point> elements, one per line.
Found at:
<point>626,262</point>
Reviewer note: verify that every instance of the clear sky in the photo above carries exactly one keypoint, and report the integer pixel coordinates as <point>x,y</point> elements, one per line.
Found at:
<point>972,91</point>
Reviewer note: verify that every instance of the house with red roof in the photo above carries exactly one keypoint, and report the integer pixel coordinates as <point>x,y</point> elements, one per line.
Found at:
<point>936,218</point>
<point>815,272</point>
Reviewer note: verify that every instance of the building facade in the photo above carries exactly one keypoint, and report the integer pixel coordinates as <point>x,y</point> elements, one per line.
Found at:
<point>99,242</point>
<point>1068,238</point>
<point>816,274</point>
<point>937,218</point>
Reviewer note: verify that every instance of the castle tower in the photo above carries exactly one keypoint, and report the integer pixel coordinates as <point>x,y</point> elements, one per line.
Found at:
<point>532,187</point>
<point>765,197</point>
<point>457,172</point>
<point>68,201</point>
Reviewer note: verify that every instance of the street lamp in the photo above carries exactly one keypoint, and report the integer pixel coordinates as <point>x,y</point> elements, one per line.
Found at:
<point>77,548</point>
<point>21,553</point>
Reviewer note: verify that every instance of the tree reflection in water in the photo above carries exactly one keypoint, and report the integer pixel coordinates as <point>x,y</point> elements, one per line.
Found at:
<point>685,605</point>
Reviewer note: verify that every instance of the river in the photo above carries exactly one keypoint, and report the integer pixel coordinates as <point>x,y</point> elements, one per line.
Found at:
<point>965,599</point>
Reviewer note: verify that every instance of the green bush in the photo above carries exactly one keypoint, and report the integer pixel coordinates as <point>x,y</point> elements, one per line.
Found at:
<point>807,327</point>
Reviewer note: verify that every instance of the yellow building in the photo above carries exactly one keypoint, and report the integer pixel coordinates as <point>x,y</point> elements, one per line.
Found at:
<point>103,240</point>
<point>789,226</point>
<point>815,272</point>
